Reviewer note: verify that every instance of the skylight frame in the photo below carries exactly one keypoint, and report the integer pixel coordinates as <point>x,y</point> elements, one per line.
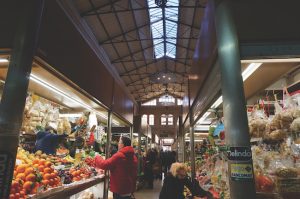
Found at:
<point>166,46</point>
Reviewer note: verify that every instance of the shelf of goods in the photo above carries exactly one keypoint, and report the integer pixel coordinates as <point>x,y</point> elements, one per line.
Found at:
<point>275,151</point>
<point>40,176</point>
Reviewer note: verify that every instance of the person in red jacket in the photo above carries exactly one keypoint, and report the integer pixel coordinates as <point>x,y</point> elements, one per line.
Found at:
<point>123,169</point>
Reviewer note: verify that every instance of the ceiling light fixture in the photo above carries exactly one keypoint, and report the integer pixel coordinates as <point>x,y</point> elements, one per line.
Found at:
<point>164,76</point>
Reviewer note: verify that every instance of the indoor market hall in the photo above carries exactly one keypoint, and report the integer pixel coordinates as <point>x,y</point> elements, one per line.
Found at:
<point>149,99</point>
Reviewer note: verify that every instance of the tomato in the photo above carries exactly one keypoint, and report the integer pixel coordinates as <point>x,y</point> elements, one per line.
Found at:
<point>12,196</point>
<point>17,196</point>
<point>15,184</point>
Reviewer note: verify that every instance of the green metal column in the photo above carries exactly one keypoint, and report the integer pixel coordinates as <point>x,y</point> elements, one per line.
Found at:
<point>16,85</point>
<point>192,144</point>
<point>107,153</point>
<point>131,134</point>
<point>234,105</point>
<point>181,141</point>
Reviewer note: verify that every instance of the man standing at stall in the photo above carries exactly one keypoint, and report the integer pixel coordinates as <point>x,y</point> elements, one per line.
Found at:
<point>123,169</point>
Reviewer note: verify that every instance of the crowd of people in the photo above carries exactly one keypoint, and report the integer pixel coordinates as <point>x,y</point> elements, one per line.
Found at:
<point>123,167</point>
<point>156,163</point>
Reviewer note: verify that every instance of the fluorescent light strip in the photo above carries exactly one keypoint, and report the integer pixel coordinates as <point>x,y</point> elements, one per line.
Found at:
<point>271,60</point>
<point>70,115</point>
<point>60,92</point>
<point>250,70</point>
<point>217,102</point>
<point>3,60</point>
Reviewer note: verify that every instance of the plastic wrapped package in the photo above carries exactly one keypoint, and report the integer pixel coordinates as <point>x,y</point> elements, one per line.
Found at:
<point>295,126</point>
<point>257,123</point>
<point>276,135</point>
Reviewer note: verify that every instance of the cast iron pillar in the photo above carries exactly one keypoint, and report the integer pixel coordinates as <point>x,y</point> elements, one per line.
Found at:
<point>16,85</point>
<point>234,106</point>
<point>107,153</point>
<point>192,144</point>
<point>181,142</point>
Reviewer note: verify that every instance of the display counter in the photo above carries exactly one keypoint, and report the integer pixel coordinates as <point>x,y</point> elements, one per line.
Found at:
<point>69,190</point>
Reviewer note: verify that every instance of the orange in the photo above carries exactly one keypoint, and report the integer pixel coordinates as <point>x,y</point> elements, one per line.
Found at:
<point>28,171</point>
<point>74,174</point>
<point>42,162</point>
<point>45,182</point>
<point>35,161</point>
<point>51,182</point>
<point>47,176</point>
<point>21,168</point>
<point>28,185</point>
<point>48,164</point>
<point>53,175</point>
<point>21,176</point>
<point>36,165</point>
<point>41,168</point>
<point>31,177</point>
<point>47,170</point>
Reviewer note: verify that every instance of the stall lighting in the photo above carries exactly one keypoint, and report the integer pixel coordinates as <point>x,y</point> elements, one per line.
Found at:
<point>70,115</point>
<point>250,70</point>
<point>246,73</point>
<point>3,60</point>
<point>196,140</point>
<point>287,60</point>
<point>61,93</point>
<point>202,128</point>
<point>135,134</point>
<point>217,102</point>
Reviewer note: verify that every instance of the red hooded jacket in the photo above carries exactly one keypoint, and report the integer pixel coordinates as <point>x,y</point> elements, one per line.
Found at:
<point>123,170</point>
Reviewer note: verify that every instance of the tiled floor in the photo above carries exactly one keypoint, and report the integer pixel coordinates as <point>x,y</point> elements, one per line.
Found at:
<point>146,193</point>
<point>149,193</point>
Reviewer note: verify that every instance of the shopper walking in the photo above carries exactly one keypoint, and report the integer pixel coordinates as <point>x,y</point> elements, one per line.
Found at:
<point>123,169</point>
<point>175,181</point>
<point>150,160</point>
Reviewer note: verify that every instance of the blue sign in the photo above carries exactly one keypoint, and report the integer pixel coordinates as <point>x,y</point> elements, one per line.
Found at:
<point>218,129</point>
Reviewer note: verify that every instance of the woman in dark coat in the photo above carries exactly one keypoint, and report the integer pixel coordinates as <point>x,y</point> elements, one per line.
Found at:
<point>175,181</point>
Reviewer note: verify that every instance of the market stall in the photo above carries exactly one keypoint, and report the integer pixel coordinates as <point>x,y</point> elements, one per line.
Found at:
<point>55,106</point>
<point>273,125</point>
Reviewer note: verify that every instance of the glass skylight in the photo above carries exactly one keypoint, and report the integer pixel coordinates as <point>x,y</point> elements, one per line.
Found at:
<point>164,43</point>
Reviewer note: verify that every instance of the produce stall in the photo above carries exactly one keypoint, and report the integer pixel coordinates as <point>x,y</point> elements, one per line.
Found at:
<point>70,172</point>
<point>273,115</point>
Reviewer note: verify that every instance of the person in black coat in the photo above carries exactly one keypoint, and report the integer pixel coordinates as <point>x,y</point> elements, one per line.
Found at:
<point>175,181</point>
<point>150,160</point>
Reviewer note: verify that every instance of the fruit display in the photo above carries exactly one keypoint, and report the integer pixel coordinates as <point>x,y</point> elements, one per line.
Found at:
<point>29,178</point>
<point>37,172</point>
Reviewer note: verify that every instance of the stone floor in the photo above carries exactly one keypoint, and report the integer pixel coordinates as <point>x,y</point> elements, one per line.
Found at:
<point>149,193</point>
